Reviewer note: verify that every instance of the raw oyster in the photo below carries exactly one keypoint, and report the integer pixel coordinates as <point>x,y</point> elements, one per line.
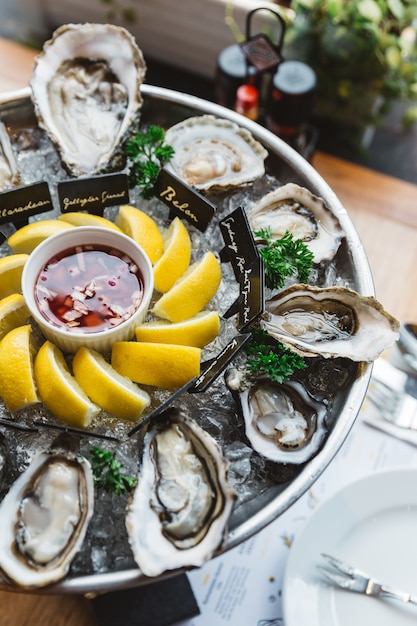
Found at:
<point>214,154</point>
<point>282,421</point>
<point>9,175</point>
<point>86,93</point>
<point>295,209</point>
<point>44,518</point>
<point>180,507</point>
<point>330,322</point>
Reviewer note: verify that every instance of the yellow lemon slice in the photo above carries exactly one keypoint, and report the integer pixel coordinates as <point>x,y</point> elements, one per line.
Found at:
<point>157,364</point>
<point>13,313</point>
<point>11,268</point>
<point>114,393</point>
<point>25,240</point>
<point>192,291</point>
<point>143,229</point>
<point>176,257</point>
<point>17,382</point>
<point>87,219</point>
<point>197,331</point>
<point>59,390</point>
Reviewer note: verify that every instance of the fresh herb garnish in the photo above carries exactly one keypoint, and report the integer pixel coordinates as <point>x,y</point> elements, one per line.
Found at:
<point>284,257</point>
<point>267,356</point>
<point>147,153</point>
<point>107,472</point>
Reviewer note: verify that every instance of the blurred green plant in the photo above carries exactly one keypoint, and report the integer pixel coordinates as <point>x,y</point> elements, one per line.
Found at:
<point>364,53</point>
<point>125,11</point>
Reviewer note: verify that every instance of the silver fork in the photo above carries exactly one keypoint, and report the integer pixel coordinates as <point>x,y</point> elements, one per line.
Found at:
<point>393,393</point>
<point>352,579</point>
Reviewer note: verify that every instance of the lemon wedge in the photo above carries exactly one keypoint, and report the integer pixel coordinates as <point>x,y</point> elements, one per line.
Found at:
<point>192,292</point>
<point>17,382</point>
<point>11,268</point>
<point>143,229</point>
<point>156,364</point>
<point>13,313</point>
<point>197,331</point>
<point>78,218</point>
<point>114,393</point>
<point>59,390</point>
<point>25,240</point>
<point>176,257</point>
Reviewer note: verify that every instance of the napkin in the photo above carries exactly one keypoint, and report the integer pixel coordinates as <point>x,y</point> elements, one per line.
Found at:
<point>161,603</point>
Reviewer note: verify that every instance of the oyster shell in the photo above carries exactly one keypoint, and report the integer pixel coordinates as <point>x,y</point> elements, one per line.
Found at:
<point>214,154</point>
<point>9,174</point>
<point>44,518</point>
<point>86,93</point>
<point>282,421</point>
<point>330,322</point>
<point>307,217</point>
<point>180,507</point>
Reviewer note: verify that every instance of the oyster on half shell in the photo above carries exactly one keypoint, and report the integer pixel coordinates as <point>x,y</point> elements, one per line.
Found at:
<point>9,173</point>
<point>86,93</point>
<point>214,154</point>
<point>178,512</point>
<point>330,322</point>
<point>44,518</point>
<point>283,422</point>
<point>307,217</point>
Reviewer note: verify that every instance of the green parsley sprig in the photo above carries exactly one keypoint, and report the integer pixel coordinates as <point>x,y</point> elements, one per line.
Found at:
<point>284,257</point>
<point>267,356</point>
<point>107,472</point>
<point>147,153</point>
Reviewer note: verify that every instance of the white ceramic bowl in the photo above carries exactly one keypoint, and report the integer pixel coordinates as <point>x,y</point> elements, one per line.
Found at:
<point>64,337</point>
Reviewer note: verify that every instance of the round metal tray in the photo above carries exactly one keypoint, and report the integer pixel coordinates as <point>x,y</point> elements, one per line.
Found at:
<point>165,107</point>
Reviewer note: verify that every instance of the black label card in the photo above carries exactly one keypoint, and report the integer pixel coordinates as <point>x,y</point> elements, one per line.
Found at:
<point>93,194</point>
<point>260,53</point>
<point>251,299</point>
<point>240,247</point>
<point>183,200</point>
<point>17,205</point>
<point>216,366</point>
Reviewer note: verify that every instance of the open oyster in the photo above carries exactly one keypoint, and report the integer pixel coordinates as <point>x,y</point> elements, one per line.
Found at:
<point>295,209</point>
<point>9,174</point>
<point>214,154</point>
<point>44,518</point>
<point>330,322</point>
<point>282,421</point>
<point>86,92</point>
<point>179,510</point>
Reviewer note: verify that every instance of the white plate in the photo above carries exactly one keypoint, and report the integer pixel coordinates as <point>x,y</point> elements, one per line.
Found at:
<point>372,524</point>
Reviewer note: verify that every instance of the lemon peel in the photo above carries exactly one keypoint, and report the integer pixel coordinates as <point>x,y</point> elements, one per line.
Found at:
<point>25,239</point>
<point>192,292</point>
<point>11,268</point>
<point>156,364</point>
<point>59,390</point>
<point>113,392</point>
<point>17,381</point>
<point>197,331</point>
<point>143,229</point>
<point>176,257</point>
<point>78,218</point>
<point>13,313</point>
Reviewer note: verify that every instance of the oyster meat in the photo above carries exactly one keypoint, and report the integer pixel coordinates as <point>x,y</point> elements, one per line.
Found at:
<point>179,510</point>
<point>44,518</point>
<point>282,421</point>
<point>330,322</point>
<point>307,217</point>
<point>9,174</point>
<point>86,93</point>
<point>214,154</point>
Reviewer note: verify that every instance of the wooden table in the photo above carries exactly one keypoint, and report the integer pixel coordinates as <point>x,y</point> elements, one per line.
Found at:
<point>384,212</point>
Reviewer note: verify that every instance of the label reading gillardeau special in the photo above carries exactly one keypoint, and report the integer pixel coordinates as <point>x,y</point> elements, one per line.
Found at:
<point>183,200</point>
<point>93,194</point>
<point>17,205</point>
<point>241,250</point>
